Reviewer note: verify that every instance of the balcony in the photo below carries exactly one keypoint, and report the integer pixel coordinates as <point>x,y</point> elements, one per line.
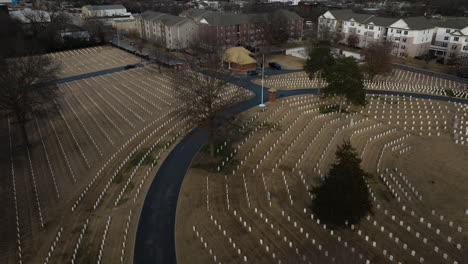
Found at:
<point>437,48</point>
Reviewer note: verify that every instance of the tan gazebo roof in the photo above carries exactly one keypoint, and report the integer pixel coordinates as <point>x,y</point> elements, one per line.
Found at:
<point>238,55</point>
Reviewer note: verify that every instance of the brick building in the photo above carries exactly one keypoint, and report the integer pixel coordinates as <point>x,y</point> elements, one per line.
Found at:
<point>223,29</point>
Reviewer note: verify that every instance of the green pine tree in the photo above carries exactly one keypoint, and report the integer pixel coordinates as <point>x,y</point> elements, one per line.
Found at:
<point>345,80</point>
<point>320,60</point>
<point>343,195</point>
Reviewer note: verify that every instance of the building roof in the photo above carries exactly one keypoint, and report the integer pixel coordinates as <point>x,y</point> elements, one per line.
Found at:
<point>194,13</point>
<point>104,7</point>
<point>239,55</point>
<point>380,21</point>
<point>226,19</point>
<point>418,23</point>
<point>28,16</point>
<point>414,23</point>
<point>452,22</point>
<point>348,14</point>
<point>166,19</point>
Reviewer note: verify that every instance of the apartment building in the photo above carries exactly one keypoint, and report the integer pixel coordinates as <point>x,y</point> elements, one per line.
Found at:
<point>173,32</point>
<point>410,36</point>
<point>226,29</point>
<point>451,38</point>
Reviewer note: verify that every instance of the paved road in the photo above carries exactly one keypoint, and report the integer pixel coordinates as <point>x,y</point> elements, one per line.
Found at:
<point>92,74</point>
<point>155,239</point>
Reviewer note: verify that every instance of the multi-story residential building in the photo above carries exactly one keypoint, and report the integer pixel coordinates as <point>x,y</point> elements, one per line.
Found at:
<point>172,32</point>
<point>410,36</point>
<point>367,28</point>
<point>240,29</point>
<point>451,38</point>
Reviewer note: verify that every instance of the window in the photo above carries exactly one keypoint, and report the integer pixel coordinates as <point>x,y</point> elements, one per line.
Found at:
<point>352,24</point>
<point>403,47</point>
<point>447,31</point>
<point>398,31</point>
<point>456,38</point>
<point>397,38</point>
<point>465,47</point>
<point>444,44</point>
<point>406,32</point>
<point>371,27</point>
<point>446,38</point>
<point>404,39</point>
<point>391,30</point>
<point>454,47</point>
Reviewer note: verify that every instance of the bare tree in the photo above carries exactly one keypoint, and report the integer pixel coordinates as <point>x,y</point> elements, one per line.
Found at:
<point>158,52</point>
<point>25,87</point>
<point>206,98</point>
<point>326,33</point>
<point>377,58</point>
<point>96,30</point>
<point>274,28</point>
<point>352,40</point>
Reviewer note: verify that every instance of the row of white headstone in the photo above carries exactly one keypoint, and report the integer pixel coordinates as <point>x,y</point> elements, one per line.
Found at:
<point>98,125</point>
<point>78,242</point>
<point>110,120</point>
<point>127,226</point>
<point>205,245</point>
<point>54,245</point>
<point>123,146</point>
<point>15,199</point>
<point>130,123</point>
<point>148,152</point>
<point>103,241</point>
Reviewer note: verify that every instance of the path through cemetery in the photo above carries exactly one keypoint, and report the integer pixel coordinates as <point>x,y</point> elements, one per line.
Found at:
<point>155,240</point>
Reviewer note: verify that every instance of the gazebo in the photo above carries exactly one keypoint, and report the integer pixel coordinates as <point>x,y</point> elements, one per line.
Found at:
<point>239,59</point>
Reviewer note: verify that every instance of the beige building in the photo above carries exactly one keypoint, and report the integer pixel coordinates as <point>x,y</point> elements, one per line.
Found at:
<point>125,24</point>
<point>172,32</point>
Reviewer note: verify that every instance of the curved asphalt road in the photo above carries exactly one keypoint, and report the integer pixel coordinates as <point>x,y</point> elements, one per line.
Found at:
<point>155,238</point>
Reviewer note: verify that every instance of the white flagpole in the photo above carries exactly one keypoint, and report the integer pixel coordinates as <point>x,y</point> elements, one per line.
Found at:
<point>263,72</point>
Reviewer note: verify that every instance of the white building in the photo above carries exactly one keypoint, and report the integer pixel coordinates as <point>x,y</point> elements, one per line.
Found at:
<point>411,36</point>
<point>172,32</point>
<point>104,11</point>
<point>451,37</point>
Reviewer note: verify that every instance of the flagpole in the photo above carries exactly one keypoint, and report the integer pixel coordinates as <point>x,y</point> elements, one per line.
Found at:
<point>263,73</point>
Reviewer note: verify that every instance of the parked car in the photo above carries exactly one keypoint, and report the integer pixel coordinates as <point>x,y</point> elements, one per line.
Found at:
<point>252,73</point>
<point>274,65</point>
<point>129,66</point>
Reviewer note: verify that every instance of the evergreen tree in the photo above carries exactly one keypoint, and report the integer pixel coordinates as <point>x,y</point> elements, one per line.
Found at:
<point>343,195</point>
<point>320,59</point>
<point>345,80</point>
